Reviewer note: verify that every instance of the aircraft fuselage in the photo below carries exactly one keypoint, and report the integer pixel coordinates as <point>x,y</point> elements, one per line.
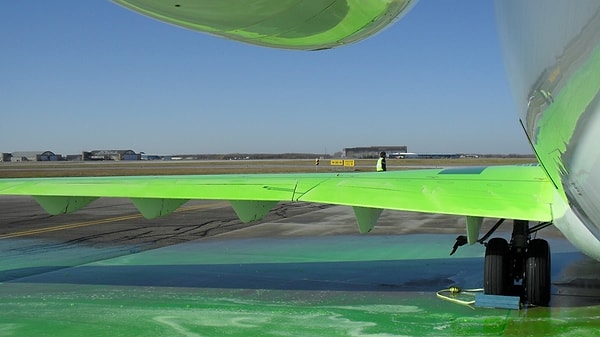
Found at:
<point>553,61</point>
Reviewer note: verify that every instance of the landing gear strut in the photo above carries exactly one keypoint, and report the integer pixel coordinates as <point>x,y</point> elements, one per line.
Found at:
<point>519,268</point>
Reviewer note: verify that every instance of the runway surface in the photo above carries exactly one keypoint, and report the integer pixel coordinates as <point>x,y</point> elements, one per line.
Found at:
<point>303,271</point>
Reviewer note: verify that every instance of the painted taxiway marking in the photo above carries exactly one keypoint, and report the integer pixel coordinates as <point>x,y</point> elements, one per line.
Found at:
<point>107,220</point>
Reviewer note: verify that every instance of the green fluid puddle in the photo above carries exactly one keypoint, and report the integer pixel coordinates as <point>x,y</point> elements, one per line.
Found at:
<point>66,310</point>
<point>331,286</point>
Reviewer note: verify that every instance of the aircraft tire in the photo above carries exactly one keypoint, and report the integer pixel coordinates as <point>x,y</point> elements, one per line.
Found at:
<point>537,273</point>
<point>496,267</point>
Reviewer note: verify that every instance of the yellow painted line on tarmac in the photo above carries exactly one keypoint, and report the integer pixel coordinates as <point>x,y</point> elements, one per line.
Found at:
<point>104,221</point>
<point>69,226</point>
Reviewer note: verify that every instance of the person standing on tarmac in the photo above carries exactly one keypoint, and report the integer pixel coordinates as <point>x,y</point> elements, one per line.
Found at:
<point>381,162</point>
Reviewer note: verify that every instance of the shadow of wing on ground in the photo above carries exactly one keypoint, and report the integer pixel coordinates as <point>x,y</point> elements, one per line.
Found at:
<point>404,275</point>
<point>408,263</point>
<point>576,280</point>
<point>575,283</point>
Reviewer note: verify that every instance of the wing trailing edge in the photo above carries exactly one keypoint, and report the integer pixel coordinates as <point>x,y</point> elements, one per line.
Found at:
<point>511,192</point>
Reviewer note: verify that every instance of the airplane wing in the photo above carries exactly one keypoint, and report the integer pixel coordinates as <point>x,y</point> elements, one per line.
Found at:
<point>514,192</point>
<point>289,24</point>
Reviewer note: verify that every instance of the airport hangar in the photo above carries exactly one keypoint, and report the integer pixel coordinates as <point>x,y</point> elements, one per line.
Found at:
<point>370,152</point>
<point>85,155</point>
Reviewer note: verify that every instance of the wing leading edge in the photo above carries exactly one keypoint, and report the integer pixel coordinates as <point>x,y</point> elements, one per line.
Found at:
<point>515,192</point>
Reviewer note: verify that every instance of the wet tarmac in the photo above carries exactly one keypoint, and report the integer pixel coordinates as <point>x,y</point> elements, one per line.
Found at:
<point>303,271</point>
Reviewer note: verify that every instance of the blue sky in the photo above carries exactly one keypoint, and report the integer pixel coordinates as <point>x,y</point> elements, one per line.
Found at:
<point>82,75</point>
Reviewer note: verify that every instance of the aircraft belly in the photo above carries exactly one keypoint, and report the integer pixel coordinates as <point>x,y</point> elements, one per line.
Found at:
<point>575,230</point>
<point>582,184</point>
<point>555,77</point>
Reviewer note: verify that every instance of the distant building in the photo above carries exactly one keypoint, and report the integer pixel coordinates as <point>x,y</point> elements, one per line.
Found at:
<point>371,151</point>
<point>111,155</point>
<point>426,155</point>
<point>35,156</point>
<point>144,156</point>
<point>6,157</point>
<point>74,157</point>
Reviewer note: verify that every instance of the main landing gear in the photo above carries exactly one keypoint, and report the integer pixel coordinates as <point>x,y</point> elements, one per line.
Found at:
<point>520,267</point>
